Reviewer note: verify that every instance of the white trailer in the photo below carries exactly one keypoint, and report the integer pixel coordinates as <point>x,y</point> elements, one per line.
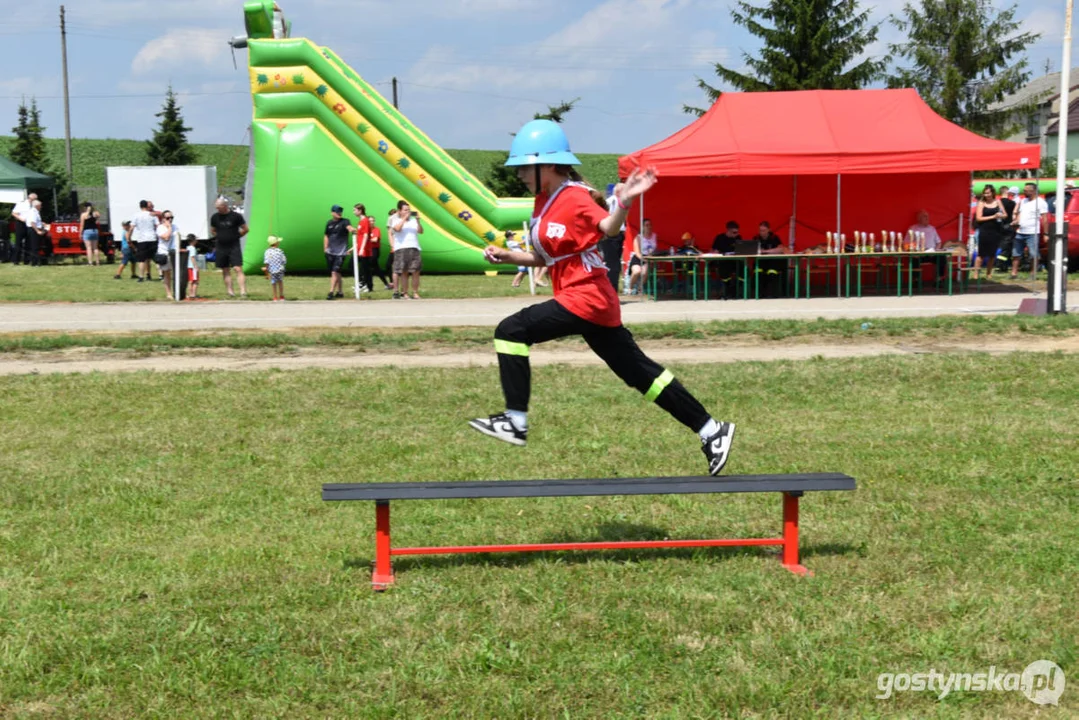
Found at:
<point>189,191</point>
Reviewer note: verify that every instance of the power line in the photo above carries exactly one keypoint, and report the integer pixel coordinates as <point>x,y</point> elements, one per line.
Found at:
<point>131,95</point>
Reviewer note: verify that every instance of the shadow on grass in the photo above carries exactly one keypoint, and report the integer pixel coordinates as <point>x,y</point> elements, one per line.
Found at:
<point>606,532</point>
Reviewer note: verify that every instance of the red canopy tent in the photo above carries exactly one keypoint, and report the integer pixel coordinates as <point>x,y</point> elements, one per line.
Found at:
<point>816,160</point>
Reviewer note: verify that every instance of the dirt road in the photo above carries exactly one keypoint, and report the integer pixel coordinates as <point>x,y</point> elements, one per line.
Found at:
<point>85,360</point>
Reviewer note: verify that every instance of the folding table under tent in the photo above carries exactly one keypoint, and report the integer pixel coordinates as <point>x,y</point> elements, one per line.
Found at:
<point>814,161</point>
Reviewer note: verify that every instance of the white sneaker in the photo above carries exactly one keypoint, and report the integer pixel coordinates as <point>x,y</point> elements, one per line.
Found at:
<point>718,447</point>
<point>500,427</point>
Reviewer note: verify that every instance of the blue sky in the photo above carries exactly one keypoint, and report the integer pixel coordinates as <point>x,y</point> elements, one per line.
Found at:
<point>471,71</point>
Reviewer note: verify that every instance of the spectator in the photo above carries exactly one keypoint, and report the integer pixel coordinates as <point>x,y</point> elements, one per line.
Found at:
<point>144,235</point>
<point>513,244</point>
<point>990,216</point>
<point>1007,236</point>
<point>88,231</point>
<point>273,264</point>
<point>168,237</point>
<point>360,243</point>
<point>921,225</point>
<point>369,239</point>
<point>773,269</point>
<point>192,266</point>
<point>1030,218</point>
<point>644,245</point>
<point>723,244</point>
<point>389,258</point>
<point>688,246</point>
<point>35,231</point>
<point>227,227</point>
<point>127,254</point>
<point>932,238</point>
<point>406,250</point>
<point>376,254</point>
<point>611,248</point>
<point>335,247</point>
<point>17,253</point>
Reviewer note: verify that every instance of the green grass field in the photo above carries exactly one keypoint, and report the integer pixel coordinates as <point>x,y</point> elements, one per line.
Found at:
<point>166,552</point>
<point>90,157</point>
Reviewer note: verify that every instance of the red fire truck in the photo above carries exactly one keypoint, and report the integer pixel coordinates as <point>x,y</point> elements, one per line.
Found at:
<point>64,236</point>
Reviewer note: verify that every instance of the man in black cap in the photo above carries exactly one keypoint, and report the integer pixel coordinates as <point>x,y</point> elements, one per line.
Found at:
<point>335,245</point>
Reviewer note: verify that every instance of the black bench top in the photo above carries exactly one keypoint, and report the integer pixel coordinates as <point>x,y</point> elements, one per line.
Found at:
<point>804,482</point>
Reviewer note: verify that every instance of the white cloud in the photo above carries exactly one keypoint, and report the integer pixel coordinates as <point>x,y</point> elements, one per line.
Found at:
<point>613,37</point>
<point>180,48</point>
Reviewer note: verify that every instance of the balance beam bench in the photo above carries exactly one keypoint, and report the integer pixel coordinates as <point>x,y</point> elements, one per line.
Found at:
<point>791,486</point>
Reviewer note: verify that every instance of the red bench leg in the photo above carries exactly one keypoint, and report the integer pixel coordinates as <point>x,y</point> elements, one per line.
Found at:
<point>790,534</point>
<point>382,577</point>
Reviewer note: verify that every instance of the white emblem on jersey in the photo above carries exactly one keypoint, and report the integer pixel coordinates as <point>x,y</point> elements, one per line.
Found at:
<point>555,230</point>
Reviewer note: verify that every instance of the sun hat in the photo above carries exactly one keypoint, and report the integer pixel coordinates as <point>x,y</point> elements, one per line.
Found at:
<point>273,240</point>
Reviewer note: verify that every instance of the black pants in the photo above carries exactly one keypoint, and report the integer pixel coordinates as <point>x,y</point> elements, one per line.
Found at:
<point>17,252</point>
<point>549,321</point>
<point>773,277</point>
<point>389,264</point>
<point>611,250</point>
<point>32,256</point>
<point>369,267</point>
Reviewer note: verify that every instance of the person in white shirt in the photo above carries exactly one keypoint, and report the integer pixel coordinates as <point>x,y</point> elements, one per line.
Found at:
<point>407,228</point>
<point>1031,216</point>
<point>932,238</point>
<point>22,208</point>
<point>35,230</point>
<point>168,238</point>
<point>644,245</point>
<point>144,235</point>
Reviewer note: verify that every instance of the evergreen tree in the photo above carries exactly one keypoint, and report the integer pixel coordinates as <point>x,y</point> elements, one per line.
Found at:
<point>28,149</point>
<point>169,146</point>
<point>808,45</point>
<point>959,58</point>
<point>504,181</point>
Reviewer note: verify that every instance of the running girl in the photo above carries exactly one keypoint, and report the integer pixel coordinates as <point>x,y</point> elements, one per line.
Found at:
<point>566,226</point>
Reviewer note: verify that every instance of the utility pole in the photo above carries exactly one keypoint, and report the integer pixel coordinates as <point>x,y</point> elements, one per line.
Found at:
<point>395,93</point>
<point>67,107</point>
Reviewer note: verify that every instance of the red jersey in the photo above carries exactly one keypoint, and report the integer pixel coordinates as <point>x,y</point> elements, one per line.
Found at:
<point>363,228</point>
<point>566,235</point>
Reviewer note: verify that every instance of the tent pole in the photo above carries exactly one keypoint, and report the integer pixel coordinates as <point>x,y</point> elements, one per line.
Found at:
<point>838,225</point>
<point>794,213</point>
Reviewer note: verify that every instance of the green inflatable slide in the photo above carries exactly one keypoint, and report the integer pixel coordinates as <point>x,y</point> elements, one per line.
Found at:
<point>323,136</point>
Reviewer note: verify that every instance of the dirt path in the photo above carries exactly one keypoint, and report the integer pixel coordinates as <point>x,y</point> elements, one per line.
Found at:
<point>85,360</point>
